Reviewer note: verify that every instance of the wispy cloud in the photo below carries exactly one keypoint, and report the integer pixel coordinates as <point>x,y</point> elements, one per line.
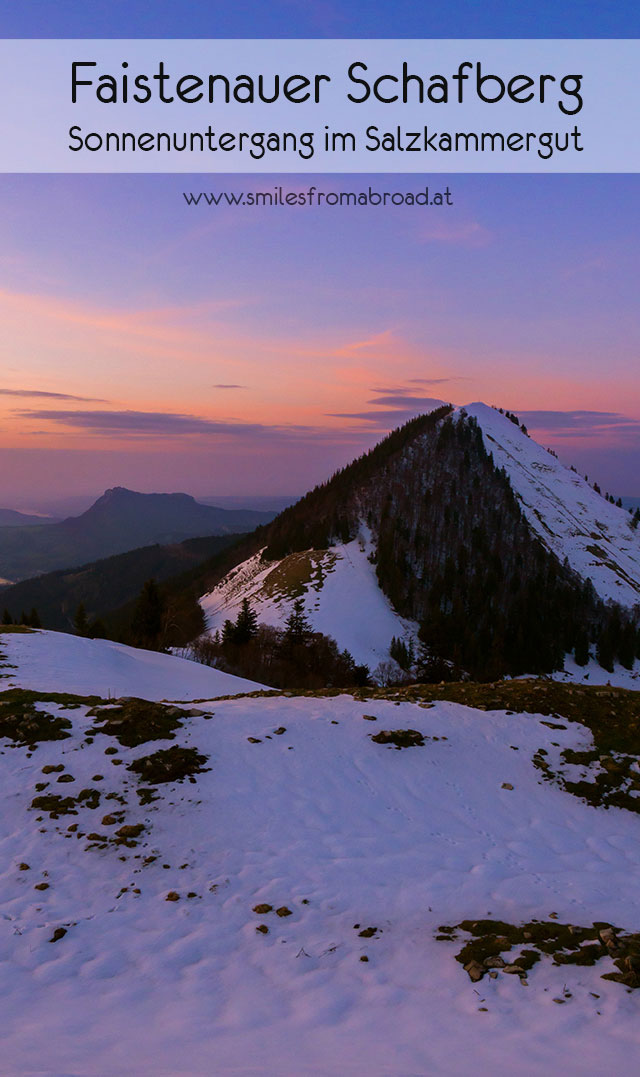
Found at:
<point>403,400</point>
<point>579,423</point>
<point>454,232</point>
<point>229,386</point>
<point>391,417</point>
<point>393,406</point>
<point>151,425</point>
<point>437,381</point>
<point>44,394</point>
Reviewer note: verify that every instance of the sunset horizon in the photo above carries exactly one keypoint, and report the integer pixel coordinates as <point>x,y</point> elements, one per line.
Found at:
<point>245,350</point>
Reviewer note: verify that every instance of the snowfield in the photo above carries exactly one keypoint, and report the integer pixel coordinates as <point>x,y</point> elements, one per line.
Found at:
<point>572,520</point>
<point>346,834</point>
<point>341,596</point>
<point>56,662</point>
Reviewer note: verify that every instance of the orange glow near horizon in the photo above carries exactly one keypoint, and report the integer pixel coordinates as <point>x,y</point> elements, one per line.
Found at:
<point>289,343</point>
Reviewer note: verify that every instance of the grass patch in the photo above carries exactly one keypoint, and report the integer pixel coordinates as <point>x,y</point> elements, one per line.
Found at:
<point>169,765</point>
<point>23,723</point>
<point>55,805</point>
<point>65,699</point>
<point>136,721</point>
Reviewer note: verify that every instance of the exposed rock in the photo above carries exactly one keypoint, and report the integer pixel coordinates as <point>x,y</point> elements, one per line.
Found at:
<point>400,738</point>
<point>475,970</point>
<point>132,830</point>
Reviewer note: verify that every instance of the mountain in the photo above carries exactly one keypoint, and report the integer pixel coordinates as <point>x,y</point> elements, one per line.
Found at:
<point>120,520</point>
<point>273,882</point>
<point>106,585</point>
<point>12,518</point>
<point>460,529</point>
<point>262,502</point>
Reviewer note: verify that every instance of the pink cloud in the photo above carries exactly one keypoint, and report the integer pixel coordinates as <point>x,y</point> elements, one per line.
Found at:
<point>456,233</point>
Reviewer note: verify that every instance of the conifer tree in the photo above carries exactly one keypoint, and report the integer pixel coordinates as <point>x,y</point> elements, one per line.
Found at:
<point>246,624</point>
<point>581,651</point>
<point>80,622</point>
<point>148,617</point>
<point>297,627</point>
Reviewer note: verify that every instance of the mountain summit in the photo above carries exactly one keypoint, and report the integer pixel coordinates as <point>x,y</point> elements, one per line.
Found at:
<point>460,529</point>
<point>118,521</point>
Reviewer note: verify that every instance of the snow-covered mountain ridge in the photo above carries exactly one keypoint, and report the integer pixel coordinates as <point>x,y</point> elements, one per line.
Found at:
<point>569,516</point>
<point>457,519</point>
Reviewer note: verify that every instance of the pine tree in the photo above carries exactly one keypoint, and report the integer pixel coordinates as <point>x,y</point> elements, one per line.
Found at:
<point>80,622</point>
<point>97,629</point>
<point>34,618</point>
<point>581,651</point>
<point>148,618</point>
<point>605,650</point>
<point>246,624</point>
<point>627,645</point>
<point>298,627</point>
<point>7,619</point>
<point>400,653</point>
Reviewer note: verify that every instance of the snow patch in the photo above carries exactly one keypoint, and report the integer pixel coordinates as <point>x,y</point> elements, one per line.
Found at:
<point>340,591</point>
<point>56,662</point>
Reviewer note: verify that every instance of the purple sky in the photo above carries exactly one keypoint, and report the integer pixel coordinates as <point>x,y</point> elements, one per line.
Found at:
<point>160,346</point>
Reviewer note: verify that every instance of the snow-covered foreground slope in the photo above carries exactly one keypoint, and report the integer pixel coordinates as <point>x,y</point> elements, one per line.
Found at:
<point>568,515</point>
<point>347,834</point>
<point>340,592</point>
<point>56,662</point>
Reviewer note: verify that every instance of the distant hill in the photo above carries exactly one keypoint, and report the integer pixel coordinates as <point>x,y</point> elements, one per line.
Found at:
<point>120,520</point>
<point>12,518</point>
<point>262,502</point>
<point>103,586</point>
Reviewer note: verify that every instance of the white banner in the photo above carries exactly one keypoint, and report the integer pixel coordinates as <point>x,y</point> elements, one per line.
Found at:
<point>287,106</point>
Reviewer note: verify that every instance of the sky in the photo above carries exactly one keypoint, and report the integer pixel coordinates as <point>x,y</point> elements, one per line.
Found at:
<point>248,351</point>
